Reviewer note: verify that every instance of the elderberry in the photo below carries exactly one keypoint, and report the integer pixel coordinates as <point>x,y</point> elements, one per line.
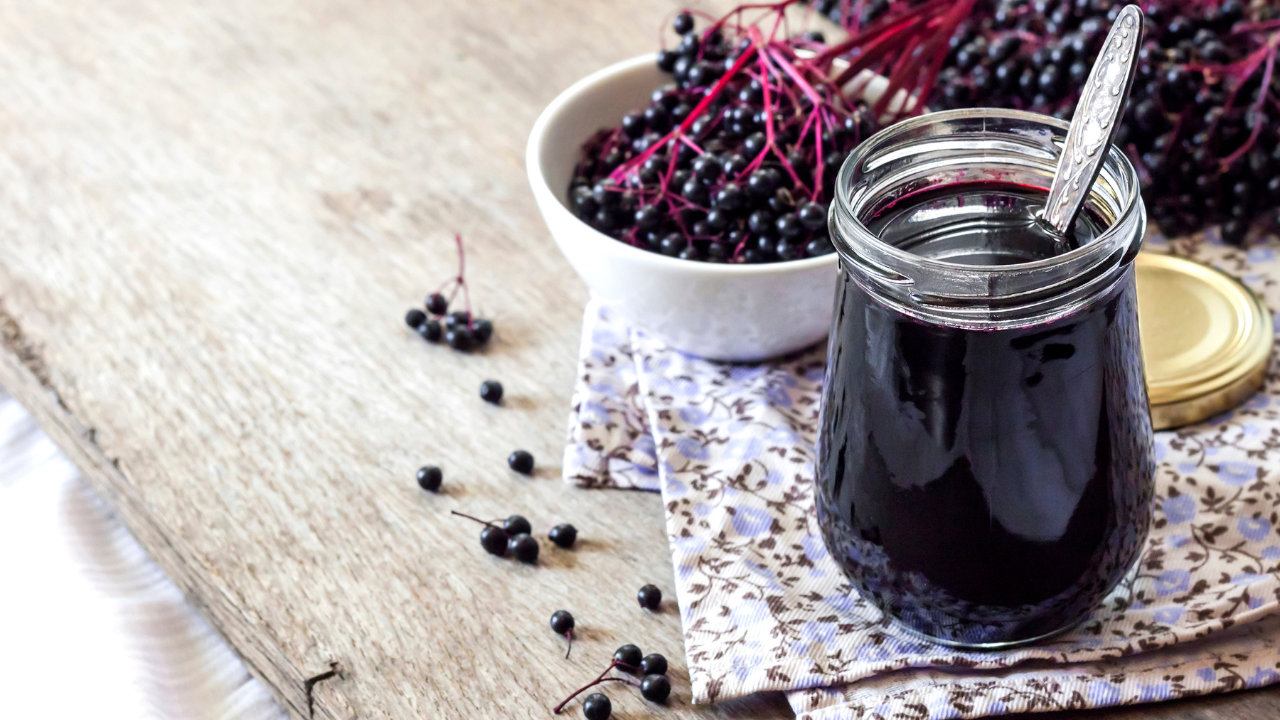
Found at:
<point>655,688</point>
<point>760,133</point>
<point>437,304</point>
<point>813,216</point>
<point>494,540</point>
<point>430,331</point>
<point>596,707</point>
<point>523,548</point>
<point>1188,143</point>
<point>481,330</point>
<point>455,320</point>
<point>683,24</point>
<point>561,622</point>
<point>491,391</point>
<point>459,338</point>
<point>650,597</point>
<point>517,525</point>
<point>429,478</point>
<point>414,318</point>
<point>521,461</point>
<point>653,664</point>
<point>563,535</point>
<point>628,655</point>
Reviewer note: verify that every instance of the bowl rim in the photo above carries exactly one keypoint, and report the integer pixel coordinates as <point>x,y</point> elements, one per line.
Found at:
<point>537,179</point>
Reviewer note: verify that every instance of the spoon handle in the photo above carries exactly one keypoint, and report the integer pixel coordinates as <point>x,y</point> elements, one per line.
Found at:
<point>1089,137</point>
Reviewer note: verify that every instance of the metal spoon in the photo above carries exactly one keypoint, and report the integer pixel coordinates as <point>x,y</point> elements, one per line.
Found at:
<point>1094,122</point>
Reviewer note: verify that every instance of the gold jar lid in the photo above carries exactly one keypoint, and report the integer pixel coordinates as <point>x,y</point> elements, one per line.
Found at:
<point>1206,339</point>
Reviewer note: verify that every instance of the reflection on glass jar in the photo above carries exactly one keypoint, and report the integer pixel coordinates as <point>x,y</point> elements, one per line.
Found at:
<point>984,462</point>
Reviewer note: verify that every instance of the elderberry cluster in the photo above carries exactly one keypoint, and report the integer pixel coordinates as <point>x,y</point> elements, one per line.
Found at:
<point>514,537</point>
<point>1200,124</point>
<point>654,685</point>
<point>733,161</point>
<point>460,330</point>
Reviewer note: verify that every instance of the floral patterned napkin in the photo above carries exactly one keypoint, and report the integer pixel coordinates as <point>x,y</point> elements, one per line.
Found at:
<point>765,608</point>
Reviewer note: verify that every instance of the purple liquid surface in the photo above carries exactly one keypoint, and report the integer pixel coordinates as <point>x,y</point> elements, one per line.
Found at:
<point>984,486</point>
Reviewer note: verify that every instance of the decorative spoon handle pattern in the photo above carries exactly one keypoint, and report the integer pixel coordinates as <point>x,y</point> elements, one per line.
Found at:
<point>1094,123</point>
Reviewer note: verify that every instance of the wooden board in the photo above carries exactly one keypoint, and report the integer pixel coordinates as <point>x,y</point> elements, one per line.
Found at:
<point>213,217</point>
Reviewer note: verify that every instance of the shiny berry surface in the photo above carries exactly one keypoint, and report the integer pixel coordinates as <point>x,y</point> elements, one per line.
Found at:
<point>563,535</point>
<point>521,461</point>
<point>596,707</point>
<point>650,597</point>
<point>429,478</point>
<point>491,391</point>
<point>628,655</point>
<point>655,688</point>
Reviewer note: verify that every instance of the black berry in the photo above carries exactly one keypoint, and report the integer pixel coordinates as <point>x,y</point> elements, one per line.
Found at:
<point>456,319</point>
<point>459,339</point>
<point>437,304</point>
<point>652,664</point>
<point>516,525</point>
<point>650,597</point>
<point>494,540</point>
<point>655,688</point>
<point>683,24</point>
<point>628,655</point>
<point>491,391</point>
<point>430,331</point>
<point>596,707</point>
<point>414,318</point>
<point>429,478</point>
<point>523,548</point>
<point>561,622</point>
<point>521,461</point>
<point>813,216</point>
<point>481,330</point>
<point>563,535</point>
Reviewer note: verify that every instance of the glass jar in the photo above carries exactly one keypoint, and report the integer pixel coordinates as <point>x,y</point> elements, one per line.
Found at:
<point>985,452</point>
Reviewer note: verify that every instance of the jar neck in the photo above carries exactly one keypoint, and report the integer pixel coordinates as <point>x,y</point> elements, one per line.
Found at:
<point>980,146</point>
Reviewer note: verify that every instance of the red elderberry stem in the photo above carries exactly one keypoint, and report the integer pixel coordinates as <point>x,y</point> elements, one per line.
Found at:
<point>570,636</point>
<point>1256,109</point>
<point>556,710</point>
<point>817,163</point>
<point>629,167</point>
<point>790,70</point>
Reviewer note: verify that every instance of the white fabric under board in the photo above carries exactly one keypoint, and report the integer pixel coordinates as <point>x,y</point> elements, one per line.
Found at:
<point>89,625</point>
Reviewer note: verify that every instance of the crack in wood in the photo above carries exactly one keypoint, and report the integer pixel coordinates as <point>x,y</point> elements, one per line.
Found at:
<point>309,685</point>
<point>15,340</point>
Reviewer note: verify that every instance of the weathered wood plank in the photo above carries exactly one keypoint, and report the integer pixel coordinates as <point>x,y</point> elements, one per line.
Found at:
<point>213,217</point>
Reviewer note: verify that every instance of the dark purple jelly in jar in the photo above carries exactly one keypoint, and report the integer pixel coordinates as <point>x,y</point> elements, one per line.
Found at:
<point>984,482</point>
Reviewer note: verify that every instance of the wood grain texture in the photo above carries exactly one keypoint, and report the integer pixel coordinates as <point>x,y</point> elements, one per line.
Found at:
<point>212,219</point>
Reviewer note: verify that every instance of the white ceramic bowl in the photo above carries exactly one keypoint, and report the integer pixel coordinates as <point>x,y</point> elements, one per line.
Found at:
<point>716,311</point>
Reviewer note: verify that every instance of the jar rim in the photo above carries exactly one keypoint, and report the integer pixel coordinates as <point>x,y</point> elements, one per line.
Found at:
<point>851,236</point>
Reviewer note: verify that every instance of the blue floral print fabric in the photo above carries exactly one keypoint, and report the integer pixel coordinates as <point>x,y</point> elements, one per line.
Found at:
<point>764,607</point>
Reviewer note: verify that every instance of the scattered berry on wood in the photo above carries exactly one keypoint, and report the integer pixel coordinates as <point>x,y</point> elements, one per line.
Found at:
<point>521,461</point>
<point>563,535</point>
<point>491,391</point>
<point>429,478</point>
<point>650,597</point>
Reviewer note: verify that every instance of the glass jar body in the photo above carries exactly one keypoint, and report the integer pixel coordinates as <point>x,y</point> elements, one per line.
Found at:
<point>985,452</point>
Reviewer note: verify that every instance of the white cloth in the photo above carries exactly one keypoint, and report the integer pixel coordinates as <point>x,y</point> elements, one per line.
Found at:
<point>89,625</point>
